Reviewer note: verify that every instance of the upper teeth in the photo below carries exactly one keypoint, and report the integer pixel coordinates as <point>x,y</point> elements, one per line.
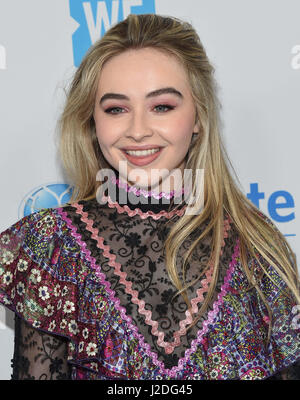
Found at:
<point>141,152</point>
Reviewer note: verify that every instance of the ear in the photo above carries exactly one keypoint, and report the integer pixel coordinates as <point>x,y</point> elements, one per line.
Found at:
<point>197,127</point>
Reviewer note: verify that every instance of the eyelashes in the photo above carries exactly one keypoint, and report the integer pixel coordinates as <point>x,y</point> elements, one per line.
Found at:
<point>112,110</point>
<point>162,108</point>
<point>166,107</point>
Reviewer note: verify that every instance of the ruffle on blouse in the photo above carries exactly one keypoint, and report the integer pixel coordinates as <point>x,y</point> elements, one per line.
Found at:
<point>48,280</point>
<point>45,281</point>
<point>250,354</point>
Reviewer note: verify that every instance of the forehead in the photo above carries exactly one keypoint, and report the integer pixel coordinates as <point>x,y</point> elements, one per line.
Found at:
<point>144,69</point>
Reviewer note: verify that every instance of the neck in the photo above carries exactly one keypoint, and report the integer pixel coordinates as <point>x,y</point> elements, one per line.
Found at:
<point>134,196</point>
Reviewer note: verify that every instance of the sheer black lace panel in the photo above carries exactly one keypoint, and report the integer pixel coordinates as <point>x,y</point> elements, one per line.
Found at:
<point>291,373</point>
<point>38,355</point>
<point>138,246</point>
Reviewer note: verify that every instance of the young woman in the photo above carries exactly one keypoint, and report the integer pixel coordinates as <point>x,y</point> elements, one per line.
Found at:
<point>147,289</point>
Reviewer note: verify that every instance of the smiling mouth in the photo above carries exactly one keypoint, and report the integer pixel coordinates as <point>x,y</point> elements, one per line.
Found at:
<point>143,153</point>
<point>142,157</point>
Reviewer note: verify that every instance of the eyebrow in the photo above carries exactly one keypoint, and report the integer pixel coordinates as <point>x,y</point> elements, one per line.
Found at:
<point>154,93</point>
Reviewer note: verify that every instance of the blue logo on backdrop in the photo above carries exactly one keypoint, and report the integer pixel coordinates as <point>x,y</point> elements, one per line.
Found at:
<point>46,196</point>
<point>278,200</point>
<point>96,17</point>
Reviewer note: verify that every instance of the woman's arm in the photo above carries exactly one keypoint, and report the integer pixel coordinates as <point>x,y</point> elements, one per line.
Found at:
<point>291,373</point>
<point>38,355</point>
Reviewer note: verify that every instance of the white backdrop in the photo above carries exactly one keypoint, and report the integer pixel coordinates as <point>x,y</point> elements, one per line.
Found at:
<point>254,47</point>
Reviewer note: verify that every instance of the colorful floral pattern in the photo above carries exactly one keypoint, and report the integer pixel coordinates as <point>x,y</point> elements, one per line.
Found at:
<point>49,278</point>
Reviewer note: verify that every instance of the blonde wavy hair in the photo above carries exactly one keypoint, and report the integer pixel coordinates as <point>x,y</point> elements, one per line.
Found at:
<point>260,240</point>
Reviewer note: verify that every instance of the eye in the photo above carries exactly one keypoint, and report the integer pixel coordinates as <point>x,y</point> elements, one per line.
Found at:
<point>114,110</point>
<point>163,107</point>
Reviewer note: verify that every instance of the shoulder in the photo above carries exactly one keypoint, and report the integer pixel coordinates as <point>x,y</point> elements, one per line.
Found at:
<point>42,222</point>
<point>271,259</point>
<point>42,237</point>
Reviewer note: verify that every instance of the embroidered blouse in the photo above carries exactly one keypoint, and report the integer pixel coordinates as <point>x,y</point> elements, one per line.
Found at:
<point>93,300</point>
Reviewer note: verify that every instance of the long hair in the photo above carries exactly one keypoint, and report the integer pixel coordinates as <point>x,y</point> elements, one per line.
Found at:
<point>260,240</point>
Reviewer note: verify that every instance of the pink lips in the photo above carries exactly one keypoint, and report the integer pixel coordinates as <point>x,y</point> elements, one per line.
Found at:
<point>142,160</point>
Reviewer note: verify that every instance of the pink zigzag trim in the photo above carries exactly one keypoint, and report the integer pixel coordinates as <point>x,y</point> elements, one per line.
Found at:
<point>145,193</point>
<point>143,215</point>
<point>134,329</point>
<point>169,347</point>
<point>117,267</point>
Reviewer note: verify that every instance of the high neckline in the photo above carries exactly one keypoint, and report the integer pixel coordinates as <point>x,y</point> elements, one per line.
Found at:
<point>146,203</point>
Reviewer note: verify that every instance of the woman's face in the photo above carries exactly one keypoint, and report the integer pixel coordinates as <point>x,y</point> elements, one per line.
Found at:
<point>144,100</point>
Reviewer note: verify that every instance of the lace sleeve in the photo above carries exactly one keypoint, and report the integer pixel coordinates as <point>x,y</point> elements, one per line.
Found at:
<point>291,373</point>
<point>38,355</point>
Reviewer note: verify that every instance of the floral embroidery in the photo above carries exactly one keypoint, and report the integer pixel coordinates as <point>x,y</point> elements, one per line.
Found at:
<point>43,293</point>
<point>52,278</point>
<point>91,349</point>
<point>22,265</point>
<point>69,307</point>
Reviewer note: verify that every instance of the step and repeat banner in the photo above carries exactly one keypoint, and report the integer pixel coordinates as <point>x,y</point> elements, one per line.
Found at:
<point>254,47</point>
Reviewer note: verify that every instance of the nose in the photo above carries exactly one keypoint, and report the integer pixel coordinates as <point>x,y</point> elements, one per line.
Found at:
<point>139,126</point>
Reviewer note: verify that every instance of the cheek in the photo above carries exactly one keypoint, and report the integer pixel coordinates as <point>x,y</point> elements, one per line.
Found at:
<point>182,129</point>
<point>105,132</point>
